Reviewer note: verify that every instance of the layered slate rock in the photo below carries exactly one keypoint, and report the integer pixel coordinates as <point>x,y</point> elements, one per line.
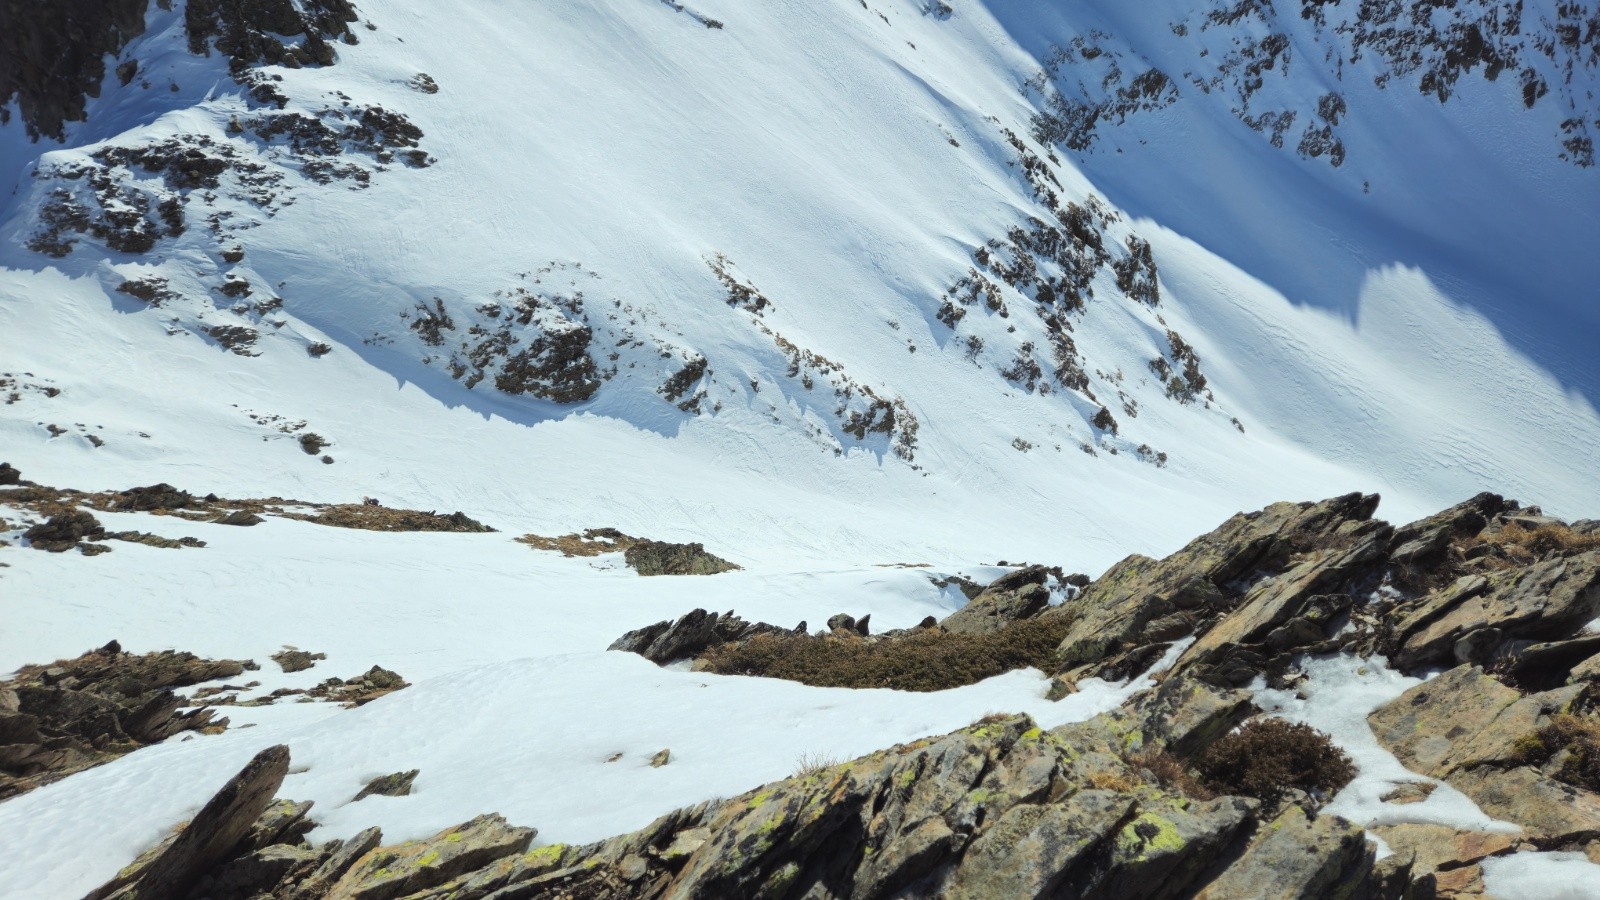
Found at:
<point>1016,595</point>
<point>74,714</point>
<point>209,839</point>
<point>1141,603</point>
<point>1478,616</point>
<point>1470,730</point>
<point>690,635</point>
<point>998,809</point>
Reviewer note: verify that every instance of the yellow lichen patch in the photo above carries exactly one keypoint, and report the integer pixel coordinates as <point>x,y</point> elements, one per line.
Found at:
<point>544,856</point>
<point>1147,835</point>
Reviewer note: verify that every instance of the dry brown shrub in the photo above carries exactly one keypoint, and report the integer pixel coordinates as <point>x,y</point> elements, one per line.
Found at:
<point>1578,737</point>
<point>1268,757</point>
<point>924,660</point>
<point>591,542</point>
<point>1169,772</point>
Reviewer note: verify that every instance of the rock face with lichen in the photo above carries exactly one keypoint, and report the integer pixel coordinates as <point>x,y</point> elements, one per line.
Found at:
<point>1167,795</point>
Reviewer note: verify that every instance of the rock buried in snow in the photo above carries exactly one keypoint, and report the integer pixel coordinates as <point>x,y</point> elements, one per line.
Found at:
<point>396,784</point>
<point>370,685</point>
<point>9,475</point>
<point>291,660</point>
<point>661,759</point>
<point>661,558</point>
<point>240,517</point>
<point>62,531</point>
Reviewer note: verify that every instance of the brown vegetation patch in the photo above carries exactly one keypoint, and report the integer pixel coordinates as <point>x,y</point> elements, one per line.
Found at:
<point>1517,544</point>
<point>591,542</point>
<point>1267,758</point>
<point>1169,772</point>
<point>923,660</point>
<point>383,518</point>
<point>1571,741</point>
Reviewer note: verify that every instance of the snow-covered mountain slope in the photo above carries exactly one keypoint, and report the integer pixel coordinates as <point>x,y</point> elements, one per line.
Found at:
<point>801,280</point>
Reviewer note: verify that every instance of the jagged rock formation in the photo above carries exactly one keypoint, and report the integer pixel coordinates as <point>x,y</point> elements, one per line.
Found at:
<point>74,714</point>
<point>998,809</point>
<point>1143,800</point>
<point>1254,53</point>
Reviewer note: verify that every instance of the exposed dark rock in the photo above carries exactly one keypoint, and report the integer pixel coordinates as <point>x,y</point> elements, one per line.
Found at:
<point>9,475</point>
<point>210,836</point>
<point>62,531</point>
<point>395,784</point>
<point>1015,595</point>
<point>240,517</point>
<point>689,635</point>
<point>661,558</point>
<point>155,497</point>
<point>292,660</point>
<point>370,685</point>
<point>1141,601</point>
<point>79,713</point>
<point>52,56</point>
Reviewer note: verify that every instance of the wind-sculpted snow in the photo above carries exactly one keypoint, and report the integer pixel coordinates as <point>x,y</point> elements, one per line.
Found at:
<point>813,272</point>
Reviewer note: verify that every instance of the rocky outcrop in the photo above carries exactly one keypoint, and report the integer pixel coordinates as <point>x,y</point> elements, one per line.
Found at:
<point>395,784</point>
<point>74,714</point>
<point>64,531</point>
<point>360,690</point>
<point>661,558</point>
<point>1016,595</point>
<point>690,635</point>
<point>999,809</point>
<point>209,838</point>
<point>154,497</point>
<point>1479,618</point>
<point>291,660</point>
<point>1308,550</point>
<point>1470,730</point>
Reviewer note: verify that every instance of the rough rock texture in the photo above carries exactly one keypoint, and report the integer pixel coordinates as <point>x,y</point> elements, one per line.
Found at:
<point>64,531</point>
<point>362,689</point>
<point>1141,602</point>
<point>9,475</point>
<point>291,660</point>
<point>1468,728</point>
<point>689,635</point>
<point>395,784</point>
<point>661,558</point>
<point>79,713</point>
<point>1018,595</point>
<point>404,870</point>
<point>998,809</point>
<point>1474,619</point>
<point>210,838</point>
<point>154,497</point>
<point>52,56</point>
